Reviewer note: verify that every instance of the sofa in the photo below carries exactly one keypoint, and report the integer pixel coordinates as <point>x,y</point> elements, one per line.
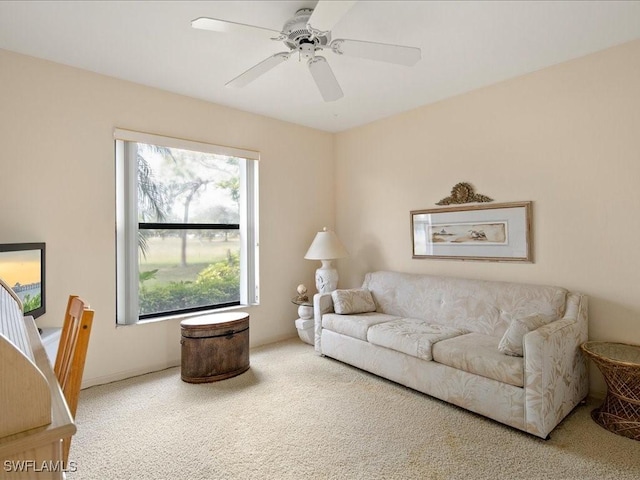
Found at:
<point>508,351</point>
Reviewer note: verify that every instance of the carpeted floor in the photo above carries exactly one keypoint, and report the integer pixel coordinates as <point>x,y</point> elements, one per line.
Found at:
<point>295,415</point>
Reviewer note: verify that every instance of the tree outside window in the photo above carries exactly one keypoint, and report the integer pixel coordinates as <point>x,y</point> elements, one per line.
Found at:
<point>186,208</point>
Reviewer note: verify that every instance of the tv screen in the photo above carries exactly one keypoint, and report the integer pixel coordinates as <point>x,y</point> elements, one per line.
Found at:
<point>22,268</point>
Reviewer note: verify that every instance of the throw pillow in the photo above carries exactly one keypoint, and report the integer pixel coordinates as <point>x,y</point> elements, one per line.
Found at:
<point>355,300</point>
<point>511,342</point>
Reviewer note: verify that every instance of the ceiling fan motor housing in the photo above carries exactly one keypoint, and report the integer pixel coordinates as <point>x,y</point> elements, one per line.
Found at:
<point>298,35</point>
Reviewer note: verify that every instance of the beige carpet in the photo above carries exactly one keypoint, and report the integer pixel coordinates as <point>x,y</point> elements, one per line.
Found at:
<point>295,415</point>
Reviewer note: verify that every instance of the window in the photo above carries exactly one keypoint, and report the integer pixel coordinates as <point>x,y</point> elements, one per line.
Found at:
<point>186,231</point>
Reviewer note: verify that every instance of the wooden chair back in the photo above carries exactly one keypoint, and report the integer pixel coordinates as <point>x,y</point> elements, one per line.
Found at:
<point>72,352</point>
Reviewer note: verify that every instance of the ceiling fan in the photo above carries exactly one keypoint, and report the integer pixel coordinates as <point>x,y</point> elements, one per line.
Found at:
<point>309,32</point>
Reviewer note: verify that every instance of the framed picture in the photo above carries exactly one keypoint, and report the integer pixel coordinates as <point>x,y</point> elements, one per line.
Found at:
<point>500,232</point>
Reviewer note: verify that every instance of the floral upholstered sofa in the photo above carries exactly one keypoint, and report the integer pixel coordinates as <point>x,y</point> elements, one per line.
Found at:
<point>507,351</point>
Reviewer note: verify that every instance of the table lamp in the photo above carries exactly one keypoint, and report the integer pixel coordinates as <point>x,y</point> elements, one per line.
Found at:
<point>326,247</point>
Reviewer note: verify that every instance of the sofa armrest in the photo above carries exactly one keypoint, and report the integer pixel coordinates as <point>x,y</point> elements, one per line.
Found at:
<point>555,371</point>
<point>322,303</point>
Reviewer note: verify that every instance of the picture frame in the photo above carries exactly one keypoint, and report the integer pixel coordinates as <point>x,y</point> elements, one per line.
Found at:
<point>498,232</point>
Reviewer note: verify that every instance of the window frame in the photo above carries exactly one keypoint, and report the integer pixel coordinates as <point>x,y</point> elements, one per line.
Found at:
<point>128,226</point>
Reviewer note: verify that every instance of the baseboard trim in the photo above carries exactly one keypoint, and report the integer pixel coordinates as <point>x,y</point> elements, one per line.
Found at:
<point>134,372</point>
<point>124,374</point>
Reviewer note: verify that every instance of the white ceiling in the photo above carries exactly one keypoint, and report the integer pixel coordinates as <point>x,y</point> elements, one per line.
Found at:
<point>465,45</point>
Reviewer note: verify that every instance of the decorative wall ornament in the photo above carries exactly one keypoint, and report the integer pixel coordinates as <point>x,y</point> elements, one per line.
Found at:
<point>463,193</point>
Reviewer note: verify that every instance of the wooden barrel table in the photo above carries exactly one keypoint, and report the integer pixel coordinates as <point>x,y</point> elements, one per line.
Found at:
<point>214,347</point>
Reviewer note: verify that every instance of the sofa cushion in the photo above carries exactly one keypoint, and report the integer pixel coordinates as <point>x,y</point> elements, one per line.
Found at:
<point>355,326</point>
<point>411,336</point>
<point>511,342</point>
<point>355,300</point>
<point>478,353</point>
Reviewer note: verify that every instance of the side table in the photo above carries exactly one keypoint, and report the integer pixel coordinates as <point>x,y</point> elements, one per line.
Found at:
<point>620,366</point>
<point>304,324</point>
<point>214,347</point>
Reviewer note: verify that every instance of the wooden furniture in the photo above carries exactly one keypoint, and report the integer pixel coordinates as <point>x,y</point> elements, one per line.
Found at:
<point>71,355</point>
<point>214,347</point>
<point>34,416</point>
<point>620,366</point>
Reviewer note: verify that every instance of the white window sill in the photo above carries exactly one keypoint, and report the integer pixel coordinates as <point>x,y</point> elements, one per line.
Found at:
<point>184,316</point>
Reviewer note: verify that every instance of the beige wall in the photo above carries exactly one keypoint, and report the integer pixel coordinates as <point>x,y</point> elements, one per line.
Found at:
<point>57,170</point>
<point>566,138</point>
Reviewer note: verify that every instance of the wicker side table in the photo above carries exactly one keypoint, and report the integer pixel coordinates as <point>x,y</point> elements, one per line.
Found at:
<point>620,366</point>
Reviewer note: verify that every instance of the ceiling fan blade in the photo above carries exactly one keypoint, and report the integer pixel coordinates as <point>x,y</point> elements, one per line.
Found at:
<point>217,25</point>
<point>257,70</point>
<point>382,52</point>
<point>325,79</point>
<point>327,13</point>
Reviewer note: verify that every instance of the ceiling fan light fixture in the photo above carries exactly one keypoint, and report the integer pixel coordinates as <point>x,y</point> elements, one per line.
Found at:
<point>307,50</point>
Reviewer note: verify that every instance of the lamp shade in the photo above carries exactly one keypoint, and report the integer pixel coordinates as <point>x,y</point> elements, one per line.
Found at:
<point>326,246</point>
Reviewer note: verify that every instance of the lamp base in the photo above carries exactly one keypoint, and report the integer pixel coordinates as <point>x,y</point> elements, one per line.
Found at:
<point>326,277</point>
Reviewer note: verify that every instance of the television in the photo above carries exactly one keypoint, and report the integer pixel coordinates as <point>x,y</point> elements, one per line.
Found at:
<point>22,267</point>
